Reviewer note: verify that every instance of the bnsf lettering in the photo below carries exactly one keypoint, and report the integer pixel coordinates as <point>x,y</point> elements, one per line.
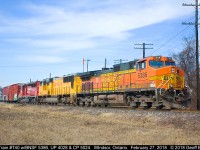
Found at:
<point>142,75</point>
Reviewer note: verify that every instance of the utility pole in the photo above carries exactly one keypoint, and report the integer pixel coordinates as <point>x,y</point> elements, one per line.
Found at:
<point>105,63</point>
<point>87,60</point>
<point>83,64</point>
<point>143,47</point>
<point>87,63</point>
<point>197,49</point>
<point>119,60</point>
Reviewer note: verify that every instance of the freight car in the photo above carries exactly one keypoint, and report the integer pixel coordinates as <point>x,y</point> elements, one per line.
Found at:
<point>154,81</point>
<point>11,93</point>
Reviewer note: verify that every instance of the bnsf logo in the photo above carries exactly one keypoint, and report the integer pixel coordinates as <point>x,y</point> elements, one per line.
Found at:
<point>142,75</point>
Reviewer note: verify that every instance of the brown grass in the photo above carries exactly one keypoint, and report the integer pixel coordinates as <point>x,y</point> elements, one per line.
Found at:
<point>67,125</point>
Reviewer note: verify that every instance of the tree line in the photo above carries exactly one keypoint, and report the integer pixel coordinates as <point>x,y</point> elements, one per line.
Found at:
<point>186,61</point>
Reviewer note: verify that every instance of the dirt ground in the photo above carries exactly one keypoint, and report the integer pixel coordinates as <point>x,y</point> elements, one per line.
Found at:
<point>33,124</point>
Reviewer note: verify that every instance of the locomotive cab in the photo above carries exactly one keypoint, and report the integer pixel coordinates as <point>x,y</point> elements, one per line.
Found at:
<point>159,72</point>
<point>162,74</point>
<point>142,71</point>
<point>167,73</point>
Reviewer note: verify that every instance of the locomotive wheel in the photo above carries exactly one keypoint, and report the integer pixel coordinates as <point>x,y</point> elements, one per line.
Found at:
<point>89,104</point>
<point>134,105</point>
<point>148,106</point>
<point>94,105</point>
<point>83,104</point>
<point>159,107</point>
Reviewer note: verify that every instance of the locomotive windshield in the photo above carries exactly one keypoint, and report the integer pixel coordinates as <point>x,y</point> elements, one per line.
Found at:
<point>167,63</point>
<point>156,64</point>
<point>141,65</point>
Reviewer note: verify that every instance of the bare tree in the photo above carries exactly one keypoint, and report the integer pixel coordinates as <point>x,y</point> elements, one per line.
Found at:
<point>186,60</point>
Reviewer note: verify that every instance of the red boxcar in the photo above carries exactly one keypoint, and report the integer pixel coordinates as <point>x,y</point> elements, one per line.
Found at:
<point>30,89</point>
<point>11,93</point>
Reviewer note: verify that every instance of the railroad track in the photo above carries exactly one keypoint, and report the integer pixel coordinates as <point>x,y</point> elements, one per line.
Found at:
<point>113,107</point>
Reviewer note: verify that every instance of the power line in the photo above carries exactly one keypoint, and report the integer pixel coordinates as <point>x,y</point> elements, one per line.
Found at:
<point>166,35</point>
<point>170,39</point>
<point>173,44</point>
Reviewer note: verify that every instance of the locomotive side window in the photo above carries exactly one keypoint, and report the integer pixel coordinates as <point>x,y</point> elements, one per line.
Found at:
<point>141,65</point>
<point>167,63</point>
<point>156,64</point>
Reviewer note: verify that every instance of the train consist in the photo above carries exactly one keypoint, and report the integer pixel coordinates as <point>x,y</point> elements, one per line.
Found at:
<point>153,81</point>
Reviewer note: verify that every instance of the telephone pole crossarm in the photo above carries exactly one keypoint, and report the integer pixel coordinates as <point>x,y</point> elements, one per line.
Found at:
<point>184,4</point>
<point>143,47</point>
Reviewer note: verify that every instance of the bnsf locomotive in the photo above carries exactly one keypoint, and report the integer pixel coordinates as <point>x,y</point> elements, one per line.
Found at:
<point>153,81</point>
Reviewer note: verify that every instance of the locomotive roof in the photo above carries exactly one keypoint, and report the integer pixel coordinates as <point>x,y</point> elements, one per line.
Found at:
<point>157,58</point>
<point>133,61</point>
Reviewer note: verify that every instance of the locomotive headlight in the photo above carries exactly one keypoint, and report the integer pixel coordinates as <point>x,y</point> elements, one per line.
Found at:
<point>152,84</point>
<point>172,70</point>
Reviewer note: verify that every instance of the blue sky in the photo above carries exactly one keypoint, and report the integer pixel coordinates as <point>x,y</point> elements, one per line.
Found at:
<point>39,37</point>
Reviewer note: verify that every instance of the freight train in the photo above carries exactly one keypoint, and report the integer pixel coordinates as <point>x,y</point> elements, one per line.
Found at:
<point>153,81</point>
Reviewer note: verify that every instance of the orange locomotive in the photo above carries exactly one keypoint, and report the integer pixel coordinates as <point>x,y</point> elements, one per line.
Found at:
<point>154,81</point>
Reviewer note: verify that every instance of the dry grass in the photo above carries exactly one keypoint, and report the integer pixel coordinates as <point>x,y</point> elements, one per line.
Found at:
<point>67,125</point>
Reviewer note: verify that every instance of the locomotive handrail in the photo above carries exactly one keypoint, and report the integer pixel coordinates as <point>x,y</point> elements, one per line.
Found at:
<point>163,84</point>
